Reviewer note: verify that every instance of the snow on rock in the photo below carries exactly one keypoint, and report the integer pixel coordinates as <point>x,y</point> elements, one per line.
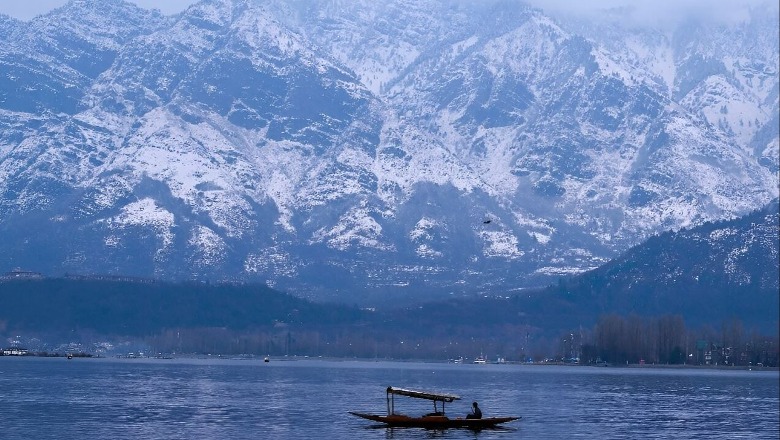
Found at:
<point>357,228</point>
<point>145,213</point>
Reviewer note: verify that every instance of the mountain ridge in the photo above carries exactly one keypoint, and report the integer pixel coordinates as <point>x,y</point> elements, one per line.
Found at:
<point>718,269</point>
<point>238,141</point>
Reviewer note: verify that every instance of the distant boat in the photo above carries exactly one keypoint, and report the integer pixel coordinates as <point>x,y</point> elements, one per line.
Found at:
<point>435,420</point>
<point>266,359</point>
<point>480,360</point>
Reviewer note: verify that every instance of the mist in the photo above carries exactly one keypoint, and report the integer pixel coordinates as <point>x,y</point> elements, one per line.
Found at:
<point>26,10</point>
<point>657,13</point>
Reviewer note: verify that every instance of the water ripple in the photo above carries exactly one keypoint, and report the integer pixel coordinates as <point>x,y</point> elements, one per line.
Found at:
<point>217,399</point>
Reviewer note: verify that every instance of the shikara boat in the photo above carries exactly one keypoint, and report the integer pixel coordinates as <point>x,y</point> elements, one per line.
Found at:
<point>435,420</point>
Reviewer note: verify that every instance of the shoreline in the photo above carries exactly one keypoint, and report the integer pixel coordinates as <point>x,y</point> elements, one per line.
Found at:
<point>294,358</point>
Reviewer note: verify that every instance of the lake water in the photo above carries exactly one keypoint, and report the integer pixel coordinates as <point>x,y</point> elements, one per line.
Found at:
<point>248,399</point>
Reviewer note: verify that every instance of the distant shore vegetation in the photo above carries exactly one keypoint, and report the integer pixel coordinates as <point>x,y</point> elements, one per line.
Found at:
<point>110,317</point>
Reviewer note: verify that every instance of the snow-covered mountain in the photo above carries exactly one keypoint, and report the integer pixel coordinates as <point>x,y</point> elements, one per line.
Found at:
<point>354,148</point>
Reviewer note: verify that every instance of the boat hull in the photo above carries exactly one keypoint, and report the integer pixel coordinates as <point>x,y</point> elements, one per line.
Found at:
<point>435,422</point>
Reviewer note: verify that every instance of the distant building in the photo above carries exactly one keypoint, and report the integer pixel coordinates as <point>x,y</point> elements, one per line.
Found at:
<point>114,278</point>
<point>15,351</point>
<point>19,274</point>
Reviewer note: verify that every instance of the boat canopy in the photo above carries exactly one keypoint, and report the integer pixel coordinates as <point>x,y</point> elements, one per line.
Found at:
<point>423,395</point>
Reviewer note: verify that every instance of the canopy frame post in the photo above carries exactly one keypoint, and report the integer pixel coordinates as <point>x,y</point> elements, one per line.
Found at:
<point>390,401</point>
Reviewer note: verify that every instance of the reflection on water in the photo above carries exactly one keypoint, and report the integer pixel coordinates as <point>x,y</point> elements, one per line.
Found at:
<point>217,399</point>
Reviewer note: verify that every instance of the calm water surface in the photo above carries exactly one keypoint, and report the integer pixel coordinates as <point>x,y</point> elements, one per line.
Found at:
<point>234,399</point>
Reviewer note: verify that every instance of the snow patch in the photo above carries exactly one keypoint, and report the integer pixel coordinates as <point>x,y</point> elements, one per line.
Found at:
<point>500,244</point>
<point>356,228</point>
<point>210,247</point>
<point>146,213</point>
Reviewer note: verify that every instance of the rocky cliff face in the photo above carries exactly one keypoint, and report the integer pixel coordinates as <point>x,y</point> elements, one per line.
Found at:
<point>341,149</point>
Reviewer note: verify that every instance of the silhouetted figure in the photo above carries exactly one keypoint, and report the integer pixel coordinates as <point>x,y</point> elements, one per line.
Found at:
<point>476,413</point>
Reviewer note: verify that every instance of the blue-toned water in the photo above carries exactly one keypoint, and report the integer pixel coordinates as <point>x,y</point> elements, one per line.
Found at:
<point>236,399</point>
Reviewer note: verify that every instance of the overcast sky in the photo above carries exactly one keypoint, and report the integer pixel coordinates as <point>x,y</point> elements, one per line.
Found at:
<point>640,11</point>
<point>27,9</point>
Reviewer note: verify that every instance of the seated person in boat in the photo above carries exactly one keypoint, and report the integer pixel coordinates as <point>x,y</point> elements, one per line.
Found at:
<point>475,413</point>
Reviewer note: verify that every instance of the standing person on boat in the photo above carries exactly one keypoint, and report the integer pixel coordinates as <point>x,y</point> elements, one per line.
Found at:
<point>475,413</point>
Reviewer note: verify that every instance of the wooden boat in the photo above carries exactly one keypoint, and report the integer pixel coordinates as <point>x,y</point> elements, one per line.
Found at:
<point>435,420</point>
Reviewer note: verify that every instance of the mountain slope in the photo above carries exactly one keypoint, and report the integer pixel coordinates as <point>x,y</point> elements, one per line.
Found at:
<point>724,71</point>
<point>713,272</point>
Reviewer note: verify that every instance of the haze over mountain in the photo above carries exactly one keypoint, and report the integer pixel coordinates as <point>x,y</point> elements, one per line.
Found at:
<point>716,275</point>
<point>335,149</point>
